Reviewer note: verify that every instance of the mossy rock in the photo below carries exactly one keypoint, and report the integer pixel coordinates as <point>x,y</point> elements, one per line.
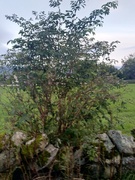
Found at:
<point>105,154</point>
<point>43,158</point>
<point>34,146</point>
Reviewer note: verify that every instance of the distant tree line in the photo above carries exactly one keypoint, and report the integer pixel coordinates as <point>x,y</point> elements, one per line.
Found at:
<point>127,70</point>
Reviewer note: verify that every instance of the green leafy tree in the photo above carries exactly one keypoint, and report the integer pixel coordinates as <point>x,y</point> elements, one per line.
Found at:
<point>56,62</point>
<point>59,87</point>
<point>128,68</point>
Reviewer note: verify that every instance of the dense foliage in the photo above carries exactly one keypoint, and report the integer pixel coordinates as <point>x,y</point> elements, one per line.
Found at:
<point>60,87</point>
<point>55,60</point>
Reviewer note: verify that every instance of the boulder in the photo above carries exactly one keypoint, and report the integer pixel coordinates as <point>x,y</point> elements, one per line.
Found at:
<point>34,146</point>
<point>37,152</point>
<point>106,141</point>
<point>129,163</point>
<point>18,138</point>
<point>124,144</point>
<point>116,160</point>
<point>47,157</point>
<point>9,156</point>
<point>8,160</point>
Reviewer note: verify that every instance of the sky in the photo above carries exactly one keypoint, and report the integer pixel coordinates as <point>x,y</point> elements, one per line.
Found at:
<point>118,25</point>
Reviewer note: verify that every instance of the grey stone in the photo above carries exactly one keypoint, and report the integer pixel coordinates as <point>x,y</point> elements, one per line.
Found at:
<point>107,142</point>
<point>18,138</point>
<point>43,143</point>
<point>53,152</point>
<point>28,143</point>
<point>129,163</point>
<point>115,160</point>
<point>124,144</point>
<point>7,160</point>
<point>109,172</point>
<point>40,142</point>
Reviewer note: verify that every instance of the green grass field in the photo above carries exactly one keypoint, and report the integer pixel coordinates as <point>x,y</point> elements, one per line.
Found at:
<point>126,116</point>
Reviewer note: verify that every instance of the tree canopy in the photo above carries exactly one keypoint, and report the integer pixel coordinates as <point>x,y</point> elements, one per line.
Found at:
<point>128,68</point>
<point>56,59</point>
<point>58,40</point>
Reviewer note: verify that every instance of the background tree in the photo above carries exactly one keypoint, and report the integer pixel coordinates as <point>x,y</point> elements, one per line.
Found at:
<point>108,69</point>
<point>128,68</point>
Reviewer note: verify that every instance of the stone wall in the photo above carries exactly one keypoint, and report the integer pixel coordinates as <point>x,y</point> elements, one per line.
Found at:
<point>115,154</point>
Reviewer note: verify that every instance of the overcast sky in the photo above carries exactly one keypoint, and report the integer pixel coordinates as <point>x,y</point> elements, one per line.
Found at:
<point>119,25</point>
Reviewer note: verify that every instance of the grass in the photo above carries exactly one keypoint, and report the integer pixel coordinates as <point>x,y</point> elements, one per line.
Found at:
<point>4,101</point>
<point>126,116</point>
